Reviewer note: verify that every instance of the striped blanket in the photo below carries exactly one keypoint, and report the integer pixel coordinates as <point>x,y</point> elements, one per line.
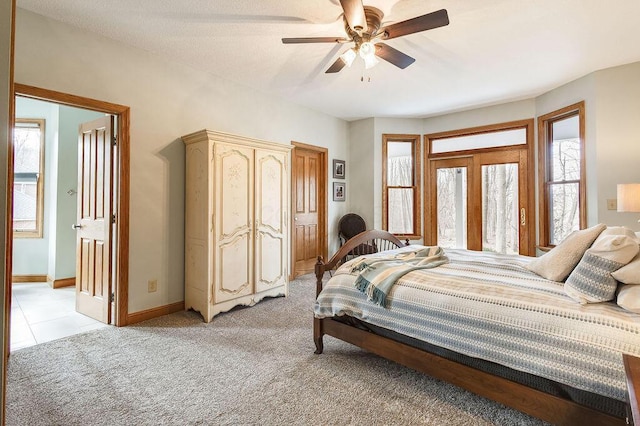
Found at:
<point>376,275</point>
<point>491,307</point>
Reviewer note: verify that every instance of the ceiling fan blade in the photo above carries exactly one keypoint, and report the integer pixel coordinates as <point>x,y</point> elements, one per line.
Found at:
<point>393,56</point>
<point>296,40</point>
<point>354,14</point>
<point>336,66</point>
<point>436,19</point>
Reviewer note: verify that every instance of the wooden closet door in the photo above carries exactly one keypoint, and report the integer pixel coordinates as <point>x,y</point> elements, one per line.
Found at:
<point>307,186</point>
<point>234,221</point>
<point>271,174</point>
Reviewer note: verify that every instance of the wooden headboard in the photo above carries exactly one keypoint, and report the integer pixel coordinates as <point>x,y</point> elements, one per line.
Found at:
<point>366,242</point>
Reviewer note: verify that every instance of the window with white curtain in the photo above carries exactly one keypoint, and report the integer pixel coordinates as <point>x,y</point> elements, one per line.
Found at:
<point>401,184</point>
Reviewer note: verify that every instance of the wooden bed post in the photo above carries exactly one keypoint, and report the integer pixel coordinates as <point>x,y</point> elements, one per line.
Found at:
<point>367,242</point>
<point>317,322</point>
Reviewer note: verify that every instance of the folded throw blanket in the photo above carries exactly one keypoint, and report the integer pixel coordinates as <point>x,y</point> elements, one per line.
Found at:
<point>377,275</point>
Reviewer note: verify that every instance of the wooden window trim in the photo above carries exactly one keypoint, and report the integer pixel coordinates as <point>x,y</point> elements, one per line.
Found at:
<point>417,182</point>
<point>490,128</point>
<point>38,232</point>
<point>544,122</point>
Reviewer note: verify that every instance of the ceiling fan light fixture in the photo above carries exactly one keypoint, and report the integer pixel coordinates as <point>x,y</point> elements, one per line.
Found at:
<point>367,49</point>
<point>367,52</point>
<point>348,57</point>
<point>370,61</point>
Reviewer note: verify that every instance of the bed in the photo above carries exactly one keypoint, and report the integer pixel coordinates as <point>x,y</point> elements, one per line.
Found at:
<point>485,323</point>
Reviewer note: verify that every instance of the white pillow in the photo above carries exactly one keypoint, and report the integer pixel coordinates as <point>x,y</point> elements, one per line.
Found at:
<point>591,280</point>
<point>630,273</point>
<point>619,230</point>
<point>629,297</point>
<point>557,264</point>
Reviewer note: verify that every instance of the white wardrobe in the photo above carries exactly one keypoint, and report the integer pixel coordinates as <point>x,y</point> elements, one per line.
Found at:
<point>237,201</point>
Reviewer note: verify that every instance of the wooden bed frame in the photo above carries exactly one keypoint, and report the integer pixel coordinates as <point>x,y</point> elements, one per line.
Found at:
<point>534,402</point>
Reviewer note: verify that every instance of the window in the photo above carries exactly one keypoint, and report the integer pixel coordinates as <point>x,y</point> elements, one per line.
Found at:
<point>401,185</point>
<point>28,188</point>
<point>561,174</point>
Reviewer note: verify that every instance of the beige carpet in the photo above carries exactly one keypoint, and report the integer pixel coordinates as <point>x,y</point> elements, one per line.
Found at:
<point>252,366</point>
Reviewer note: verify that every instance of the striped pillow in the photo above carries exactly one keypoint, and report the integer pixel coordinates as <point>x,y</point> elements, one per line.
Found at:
<point>591,280</point>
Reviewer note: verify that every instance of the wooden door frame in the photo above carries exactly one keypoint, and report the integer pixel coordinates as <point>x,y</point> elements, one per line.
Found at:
<point>121,255</point>
<point>8,219</point>
<point>323,205</point>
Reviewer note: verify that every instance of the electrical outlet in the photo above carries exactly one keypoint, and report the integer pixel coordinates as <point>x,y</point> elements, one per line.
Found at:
<point>612,204</point>
<point>152,285</point>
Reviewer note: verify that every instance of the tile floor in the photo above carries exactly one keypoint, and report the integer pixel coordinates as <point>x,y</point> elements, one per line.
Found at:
<point>40,314</point>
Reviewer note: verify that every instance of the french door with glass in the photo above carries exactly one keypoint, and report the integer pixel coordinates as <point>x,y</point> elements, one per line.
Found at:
<point>481,200</point>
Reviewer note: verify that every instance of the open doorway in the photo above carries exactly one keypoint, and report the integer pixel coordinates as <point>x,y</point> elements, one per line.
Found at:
<point>45,194</point>
<point>70,180</point>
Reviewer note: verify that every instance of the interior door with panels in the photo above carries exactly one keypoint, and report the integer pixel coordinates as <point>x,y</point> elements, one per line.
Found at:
<point>306,210</point>
<point>94,219</point>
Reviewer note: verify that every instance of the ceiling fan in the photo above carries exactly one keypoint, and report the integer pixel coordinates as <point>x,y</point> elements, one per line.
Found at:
<point>362,25</point>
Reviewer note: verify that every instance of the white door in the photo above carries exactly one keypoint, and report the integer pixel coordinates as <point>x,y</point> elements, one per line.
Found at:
<point>271,219</point>
<point>233,207</point>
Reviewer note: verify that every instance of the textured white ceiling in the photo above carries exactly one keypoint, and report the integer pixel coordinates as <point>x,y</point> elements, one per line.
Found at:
<point>491,52</point>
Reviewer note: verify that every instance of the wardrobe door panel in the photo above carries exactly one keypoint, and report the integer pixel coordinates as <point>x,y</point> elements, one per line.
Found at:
<point>233,221</point>
<point>271,218</point>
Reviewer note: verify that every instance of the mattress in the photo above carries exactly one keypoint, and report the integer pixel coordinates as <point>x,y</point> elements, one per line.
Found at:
<point>488,306</point>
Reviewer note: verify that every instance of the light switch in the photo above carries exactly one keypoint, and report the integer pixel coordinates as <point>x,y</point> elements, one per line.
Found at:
<point>612,204</point>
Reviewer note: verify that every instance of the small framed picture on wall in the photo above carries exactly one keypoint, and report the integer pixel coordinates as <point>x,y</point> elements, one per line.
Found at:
<point>338,169</point>
<point>338,191</point>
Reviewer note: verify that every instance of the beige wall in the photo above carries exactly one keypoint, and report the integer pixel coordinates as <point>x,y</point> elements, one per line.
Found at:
<point>167,100</point>
<point>361,190</point>
<point>617,144</point>
<point>502,113</point>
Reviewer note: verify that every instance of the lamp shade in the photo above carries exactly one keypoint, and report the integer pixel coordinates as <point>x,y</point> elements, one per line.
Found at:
<point>629,197</point>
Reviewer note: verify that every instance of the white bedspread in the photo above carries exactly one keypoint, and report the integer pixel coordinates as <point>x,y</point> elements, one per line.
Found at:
<point>489,306</point>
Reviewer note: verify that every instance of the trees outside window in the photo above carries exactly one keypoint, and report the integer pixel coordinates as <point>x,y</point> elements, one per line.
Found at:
<point>28,186</point>
<point>561,174</point>
<point>401,185</point>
